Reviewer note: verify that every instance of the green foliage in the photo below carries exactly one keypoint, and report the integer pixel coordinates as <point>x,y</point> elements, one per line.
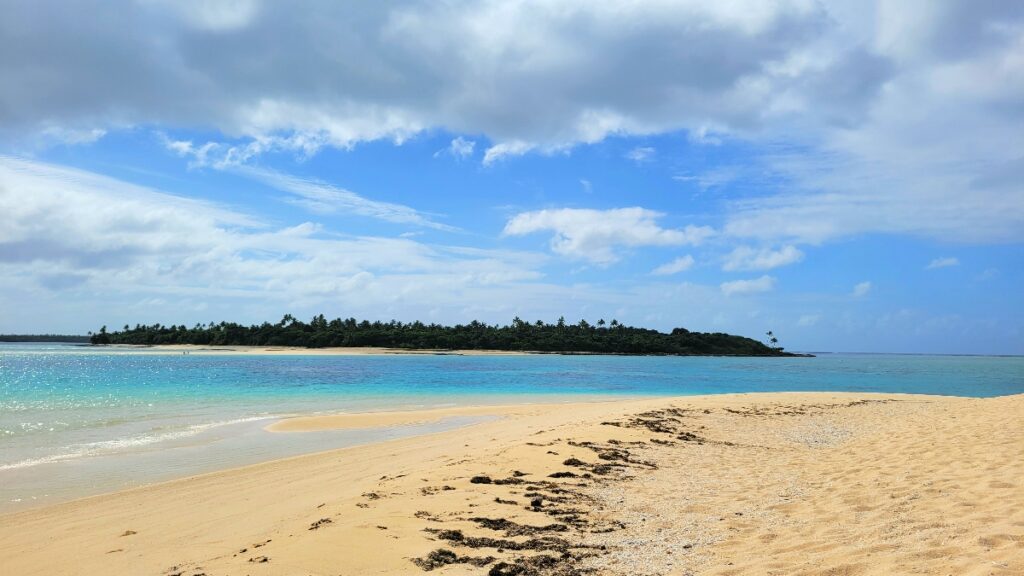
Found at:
<point>518,336</point>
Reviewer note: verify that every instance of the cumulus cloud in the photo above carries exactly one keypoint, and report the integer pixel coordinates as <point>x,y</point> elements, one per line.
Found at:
<point>839,98</point>
<point>762,284</point>
<point>681,264</point>
<point>945,262</point>
<point>518,72</point>
<point>861,289</point>
<point>595,235</point>
<point>747,258</point>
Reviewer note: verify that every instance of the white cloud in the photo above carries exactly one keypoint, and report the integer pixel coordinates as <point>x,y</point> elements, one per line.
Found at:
<point>929,205</point>
<point>861,289</point>
<point>227,156</point>
<point>73,137</point>
<point>216,16</point>
<point>942,263</point>
<point>762,284</point>
<point>526,75</point>
<point>676,266</point>
<point>588,187</point>
<point>459,148</point>
<point>513,148</point>
<point>595,235</point>
<point>708,179</point>
<point>640,154</point>
<point>108,243</point>
<point>78,250</point>
<point>891,169</point>
<point>837,100</point>
<point>504,150</point>
<point>747,258</point>
<point>59,217</point>
<point>316,196</point>
<point>704,135</point>
<point>322,198</point>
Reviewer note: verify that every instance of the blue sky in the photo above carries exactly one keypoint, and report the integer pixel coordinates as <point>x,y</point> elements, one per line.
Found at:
<point>847,175</point>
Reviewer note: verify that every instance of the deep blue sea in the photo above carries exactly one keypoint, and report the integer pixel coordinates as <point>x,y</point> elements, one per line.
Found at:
<point>68,412</point>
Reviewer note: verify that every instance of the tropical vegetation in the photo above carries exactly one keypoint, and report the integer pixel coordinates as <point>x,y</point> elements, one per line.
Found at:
<point>560,337</point>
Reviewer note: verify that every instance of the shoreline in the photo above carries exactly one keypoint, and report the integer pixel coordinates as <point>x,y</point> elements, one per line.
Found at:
<point>252,441</point>
<point>239,350</point>
<point>342,424</point>
<point>301,423</point>
<point>170,349</point>
<point>672,472</point>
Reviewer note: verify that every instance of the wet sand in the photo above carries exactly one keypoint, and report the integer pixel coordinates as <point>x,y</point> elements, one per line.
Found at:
<point>740,484</point>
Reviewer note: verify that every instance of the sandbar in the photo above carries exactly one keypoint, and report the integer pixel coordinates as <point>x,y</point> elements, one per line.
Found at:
<point>793,483</point>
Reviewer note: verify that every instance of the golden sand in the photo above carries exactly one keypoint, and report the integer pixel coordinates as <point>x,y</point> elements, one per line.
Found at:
<point>739,484</point>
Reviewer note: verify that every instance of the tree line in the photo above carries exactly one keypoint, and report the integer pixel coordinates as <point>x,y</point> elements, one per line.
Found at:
<point>581,337</point>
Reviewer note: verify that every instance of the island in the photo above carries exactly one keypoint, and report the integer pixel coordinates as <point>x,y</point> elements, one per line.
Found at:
<point>560,337</point>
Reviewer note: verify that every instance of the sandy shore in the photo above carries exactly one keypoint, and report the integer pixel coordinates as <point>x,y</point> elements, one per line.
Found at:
<point>391,418</point>
<point>741,484</point>
<point>297,351</point>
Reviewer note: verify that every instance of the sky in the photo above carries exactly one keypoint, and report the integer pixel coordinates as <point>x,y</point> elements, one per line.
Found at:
<point>846,174</point>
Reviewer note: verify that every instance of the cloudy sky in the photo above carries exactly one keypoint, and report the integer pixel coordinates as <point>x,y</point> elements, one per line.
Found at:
<point>848,174</point>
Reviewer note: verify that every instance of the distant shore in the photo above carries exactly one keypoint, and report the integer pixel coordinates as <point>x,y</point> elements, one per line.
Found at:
<point>836,483</point>
<point>299,350</point>
<point>355,351</point>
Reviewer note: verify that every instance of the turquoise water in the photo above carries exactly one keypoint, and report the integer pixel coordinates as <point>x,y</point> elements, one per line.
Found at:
<point>64,408</point>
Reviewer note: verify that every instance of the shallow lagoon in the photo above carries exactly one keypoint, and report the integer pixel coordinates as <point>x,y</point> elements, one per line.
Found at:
<point>76,420</point>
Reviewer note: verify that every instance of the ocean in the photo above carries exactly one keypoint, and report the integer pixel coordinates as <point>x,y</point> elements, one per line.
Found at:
<point>76,420</point>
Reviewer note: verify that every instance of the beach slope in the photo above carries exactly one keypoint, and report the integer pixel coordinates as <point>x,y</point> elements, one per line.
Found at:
<point>740,484</point>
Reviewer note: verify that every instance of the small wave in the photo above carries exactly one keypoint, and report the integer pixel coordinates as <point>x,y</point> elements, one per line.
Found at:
<point>104,447</point>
